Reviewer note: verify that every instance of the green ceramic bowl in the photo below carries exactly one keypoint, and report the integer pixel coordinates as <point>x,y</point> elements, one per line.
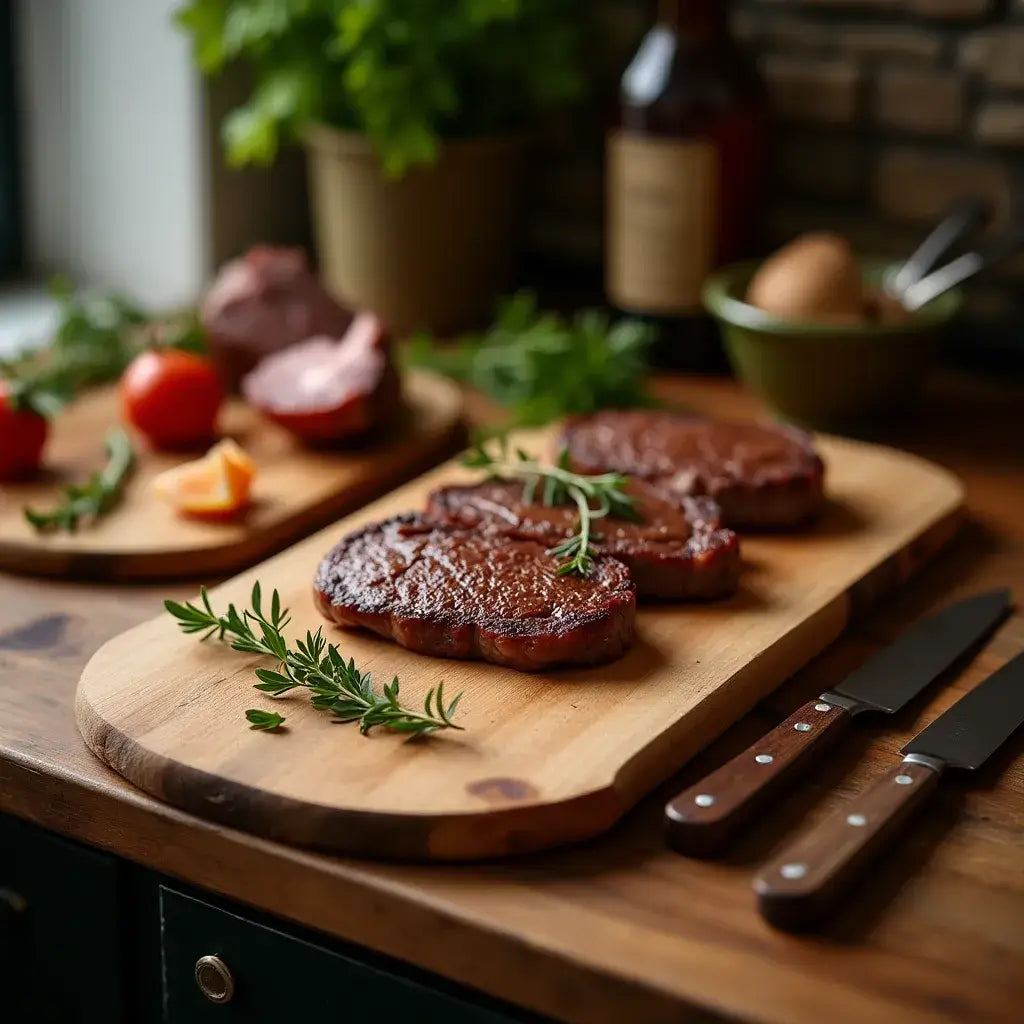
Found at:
<point>827,376</point>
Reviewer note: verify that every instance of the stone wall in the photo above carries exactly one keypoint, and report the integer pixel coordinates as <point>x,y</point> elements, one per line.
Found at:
<point>885,111</point>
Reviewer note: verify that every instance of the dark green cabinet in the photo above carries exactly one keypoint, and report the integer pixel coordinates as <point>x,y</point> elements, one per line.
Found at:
<point>258,975</point>
<point>60,942</point>
<point>88,939</point>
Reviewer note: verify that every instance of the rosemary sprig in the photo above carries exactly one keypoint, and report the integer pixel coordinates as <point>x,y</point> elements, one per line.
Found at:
<point>595,497</point>
<point>94,498</point>
<point>334,685</point>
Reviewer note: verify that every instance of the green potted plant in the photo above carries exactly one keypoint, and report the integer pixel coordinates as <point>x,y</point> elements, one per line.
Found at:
<point>412,113</point>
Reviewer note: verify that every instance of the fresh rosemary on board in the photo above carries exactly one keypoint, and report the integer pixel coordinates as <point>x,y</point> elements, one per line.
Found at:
<point>94,498</point>
<point>595,497</point>
<point>334,685</point>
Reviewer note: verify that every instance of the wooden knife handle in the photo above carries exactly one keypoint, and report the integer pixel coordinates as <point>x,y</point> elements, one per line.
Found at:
<point>797,889</point>
<point>701,820</point>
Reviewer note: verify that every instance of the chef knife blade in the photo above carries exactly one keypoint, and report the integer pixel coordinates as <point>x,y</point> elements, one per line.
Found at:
<point>801,885</point>
<point>899,672</point>
<point>702,819</point>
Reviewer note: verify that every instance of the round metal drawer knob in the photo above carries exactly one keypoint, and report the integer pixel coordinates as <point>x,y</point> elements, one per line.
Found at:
<point>214,979</point>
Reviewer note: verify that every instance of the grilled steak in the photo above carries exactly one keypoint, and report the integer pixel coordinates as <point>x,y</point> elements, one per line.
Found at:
<point>762,475</point>
<point>676,550</point>
<point>327,390</point>
<point>471,594</point>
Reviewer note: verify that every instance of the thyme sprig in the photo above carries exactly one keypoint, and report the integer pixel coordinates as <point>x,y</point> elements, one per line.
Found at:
<point>595,497</point>
<point>334,685</point>
<point>100,493</point>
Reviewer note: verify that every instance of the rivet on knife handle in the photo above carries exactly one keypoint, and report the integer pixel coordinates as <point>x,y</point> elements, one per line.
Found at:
<point>804,883</point>
<point>707,815</point>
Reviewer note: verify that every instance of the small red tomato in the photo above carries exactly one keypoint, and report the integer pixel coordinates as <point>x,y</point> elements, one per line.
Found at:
<point>23,434</point>
<point>172,397</point>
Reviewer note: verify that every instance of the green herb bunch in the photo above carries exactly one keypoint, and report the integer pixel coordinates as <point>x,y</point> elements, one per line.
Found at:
<point>595,497</point>
<point>92,345</point>
<point>407,73</point>
<point>97,336</point>
<point>541,366</point>
<point>334,685</point>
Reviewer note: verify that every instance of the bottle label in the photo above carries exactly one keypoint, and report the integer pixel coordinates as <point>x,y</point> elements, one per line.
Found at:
<point>662,222</point>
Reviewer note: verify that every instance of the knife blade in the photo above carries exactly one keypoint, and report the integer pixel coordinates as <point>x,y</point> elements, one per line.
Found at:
<point>703,818</point>
<point>804,883</point>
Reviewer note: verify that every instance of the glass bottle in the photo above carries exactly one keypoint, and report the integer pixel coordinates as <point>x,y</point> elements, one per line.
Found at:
<point>685,165</point>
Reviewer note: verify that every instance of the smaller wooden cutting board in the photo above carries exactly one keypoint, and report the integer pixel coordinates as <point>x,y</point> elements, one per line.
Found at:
<point>297,490</point>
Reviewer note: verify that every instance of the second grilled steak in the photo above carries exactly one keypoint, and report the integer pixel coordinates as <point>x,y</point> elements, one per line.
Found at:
<point>676,550</point>
<point>458,593</point>
<point>763,475</point>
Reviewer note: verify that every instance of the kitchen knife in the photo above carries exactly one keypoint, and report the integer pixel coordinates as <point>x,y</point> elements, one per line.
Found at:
<point>703,818</point>
<point>805,882</point>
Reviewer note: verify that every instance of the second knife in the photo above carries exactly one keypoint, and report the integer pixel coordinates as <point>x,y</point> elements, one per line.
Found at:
<point>810,877</point>
<point>706,816</point>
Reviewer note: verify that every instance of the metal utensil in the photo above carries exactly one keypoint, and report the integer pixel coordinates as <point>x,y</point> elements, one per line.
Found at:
<point>962,269</point>
<point>702,819</point>
<point>965,216</point>
<point>806,881</point>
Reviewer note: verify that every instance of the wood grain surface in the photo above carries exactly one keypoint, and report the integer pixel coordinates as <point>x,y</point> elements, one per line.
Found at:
<point>546,758</point>
<point>620,928</point>
<point>297,490</point>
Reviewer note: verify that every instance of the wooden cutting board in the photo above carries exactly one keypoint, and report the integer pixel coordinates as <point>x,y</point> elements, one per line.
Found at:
<point>545,759</point>
<point>297,490</point>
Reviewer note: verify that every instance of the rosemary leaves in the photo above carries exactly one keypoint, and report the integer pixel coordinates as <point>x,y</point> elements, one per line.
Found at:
<point>595,497</point>
<point>333,685</point>
<point>100,493</point>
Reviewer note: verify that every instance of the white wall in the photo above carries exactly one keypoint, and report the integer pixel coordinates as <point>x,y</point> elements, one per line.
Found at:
<point>114,148</point>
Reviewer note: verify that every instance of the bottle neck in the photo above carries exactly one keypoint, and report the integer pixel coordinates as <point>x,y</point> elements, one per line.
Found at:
<point>704,19</point>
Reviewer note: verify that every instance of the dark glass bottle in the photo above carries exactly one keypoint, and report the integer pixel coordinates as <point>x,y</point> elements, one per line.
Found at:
<point>685,166</point>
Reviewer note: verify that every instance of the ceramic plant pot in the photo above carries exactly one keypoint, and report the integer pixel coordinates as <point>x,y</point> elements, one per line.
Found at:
<point>432,250</point>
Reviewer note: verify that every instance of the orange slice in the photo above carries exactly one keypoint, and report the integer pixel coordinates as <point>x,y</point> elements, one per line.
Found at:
<point>216,485</point>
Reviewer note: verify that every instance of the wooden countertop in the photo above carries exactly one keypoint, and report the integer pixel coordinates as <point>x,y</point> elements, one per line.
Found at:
<point>621,929</point>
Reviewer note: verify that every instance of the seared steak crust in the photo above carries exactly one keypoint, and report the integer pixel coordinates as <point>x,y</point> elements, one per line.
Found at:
<point>456,593</point>
<point>762,474</point>
<point>677,550</point>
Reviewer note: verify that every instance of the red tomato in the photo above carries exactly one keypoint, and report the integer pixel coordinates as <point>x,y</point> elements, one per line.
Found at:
<point>22,438</point>
<point>172,397</point>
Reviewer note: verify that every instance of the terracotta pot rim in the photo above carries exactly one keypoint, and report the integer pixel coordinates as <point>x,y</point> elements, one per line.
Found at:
<point>341,142</point>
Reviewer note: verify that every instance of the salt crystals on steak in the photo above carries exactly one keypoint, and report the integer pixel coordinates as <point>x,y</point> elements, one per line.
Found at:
<point>676,550</point>
<point>761,474</point>
<point>457,593</point>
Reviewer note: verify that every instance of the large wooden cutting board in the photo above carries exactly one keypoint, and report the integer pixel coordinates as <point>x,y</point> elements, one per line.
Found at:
<point>545,759</point>
<point>297,491</point>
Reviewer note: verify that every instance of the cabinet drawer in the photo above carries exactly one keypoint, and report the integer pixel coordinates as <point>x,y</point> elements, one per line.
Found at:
<point>270,977</point>
<point>59,931</point>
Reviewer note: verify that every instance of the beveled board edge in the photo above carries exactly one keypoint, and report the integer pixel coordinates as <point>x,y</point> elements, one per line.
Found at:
<point>527,828</point>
